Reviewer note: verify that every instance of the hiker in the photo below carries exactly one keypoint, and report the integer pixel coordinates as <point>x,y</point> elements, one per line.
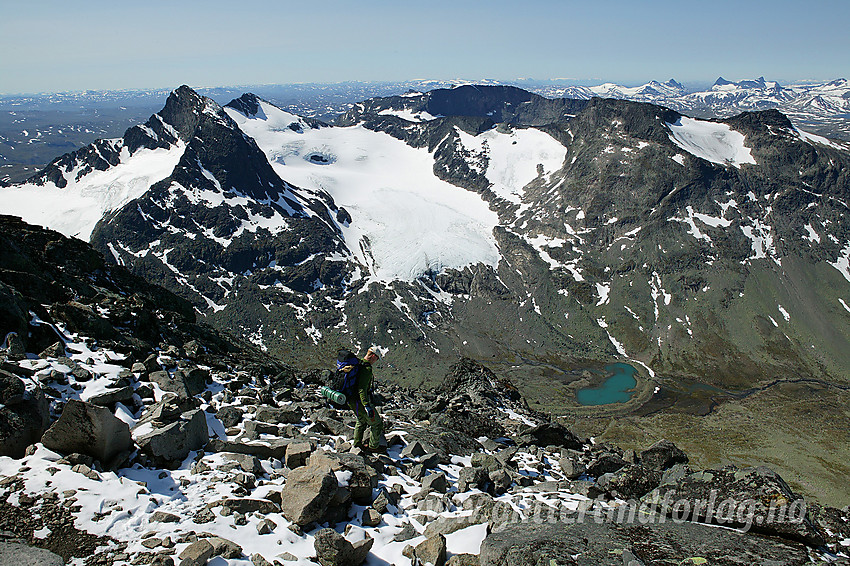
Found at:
<point>360,399</point>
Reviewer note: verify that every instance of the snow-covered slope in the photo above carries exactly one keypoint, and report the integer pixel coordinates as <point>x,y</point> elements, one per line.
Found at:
<point>711,141</point>
<point>405,222</point>
<point>75,209</point>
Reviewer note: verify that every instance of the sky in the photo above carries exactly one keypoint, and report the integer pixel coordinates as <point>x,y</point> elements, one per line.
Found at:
<point>54,46</point>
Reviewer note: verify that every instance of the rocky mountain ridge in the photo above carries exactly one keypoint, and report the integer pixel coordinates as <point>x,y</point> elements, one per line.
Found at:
<point>712,253</point>
<point>174,444</point>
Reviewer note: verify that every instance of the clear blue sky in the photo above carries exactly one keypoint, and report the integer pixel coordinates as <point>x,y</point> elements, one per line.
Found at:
<point>50,45</point>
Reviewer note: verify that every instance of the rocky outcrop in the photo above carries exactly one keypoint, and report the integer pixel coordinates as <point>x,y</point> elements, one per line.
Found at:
<point>631,544</point>
<point>751,498</point>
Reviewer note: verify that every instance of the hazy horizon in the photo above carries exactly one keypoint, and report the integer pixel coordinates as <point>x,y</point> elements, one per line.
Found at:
<point>52,46</point>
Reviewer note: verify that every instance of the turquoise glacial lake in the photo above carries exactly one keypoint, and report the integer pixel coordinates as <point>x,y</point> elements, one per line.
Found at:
<point>618,387</point>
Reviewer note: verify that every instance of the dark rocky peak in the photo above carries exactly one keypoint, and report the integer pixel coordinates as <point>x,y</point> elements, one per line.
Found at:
<point>473,100</point>
<point>220,157</point>
<point>634,119</point>
<point>760,120</point>
<point>676,84</point>
<point>185,109</point>
<point>501,104</point>
<point>247,104</point>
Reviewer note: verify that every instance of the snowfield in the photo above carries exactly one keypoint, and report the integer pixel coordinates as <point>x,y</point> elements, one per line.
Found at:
<point>405,221</point>
<point>513,158</point>
<point>76,209</point>
<point>712,141</point>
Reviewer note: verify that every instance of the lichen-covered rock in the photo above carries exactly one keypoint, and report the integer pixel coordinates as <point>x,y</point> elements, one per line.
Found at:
<point>753,498</point>
<point>605,543</point>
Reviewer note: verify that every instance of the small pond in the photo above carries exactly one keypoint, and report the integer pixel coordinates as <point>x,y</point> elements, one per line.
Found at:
<point>617,388</point>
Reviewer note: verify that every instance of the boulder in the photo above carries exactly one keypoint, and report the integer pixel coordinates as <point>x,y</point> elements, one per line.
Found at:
<point>112,396</point>
<point>225,548</point>
<point>171,444</point>
<point>550,434</point>
<point>307,494</point>
<point>24,415</point>
<point>332,549</point>
<point>297,454</point>
<point>463,560</point>
<point>435,482</point>
<point>89,429</point>
<point>229,416</point>
<point>473,478</point>
<point>244,506</point>
<point>606,543</point>
<point>662,455</point>
<point>197,553</point>
<point>605,463</point>
<point>182,382</point>
<point>630,482</point>
<point>279,415</point>
<point>572,468</point>
<point>364,477</point>
<point>167,410</point>
<point>751,498</point>
<point>246,462</point>
<point>431,551</point>
<point>370,518</point>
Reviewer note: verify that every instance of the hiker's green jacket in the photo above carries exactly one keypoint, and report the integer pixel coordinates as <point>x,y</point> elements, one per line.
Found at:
<point>364,383</point>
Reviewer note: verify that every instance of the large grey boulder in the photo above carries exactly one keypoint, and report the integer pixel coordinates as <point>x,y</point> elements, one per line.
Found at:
<point>172,443</point>
<point>588,543</point>
<point>550,434</point>
<point>754,498</point>
<point>16,553</point>
<point>88,429</point>
<point>662,455</point>
<point>364,477</point>
<point>24,415</point>
<point>332,549</point>
<point>630,482</point>
<point>184,383</point>
<point>307,494</point>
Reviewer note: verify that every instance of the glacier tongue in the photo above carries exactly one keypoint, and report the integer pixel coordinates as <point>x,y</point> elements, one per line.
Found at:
<point>405,221</point>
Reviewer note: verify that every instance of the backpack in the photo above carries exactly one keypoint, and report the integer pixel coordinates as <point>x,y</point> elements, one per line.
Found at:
<point>346,382</point>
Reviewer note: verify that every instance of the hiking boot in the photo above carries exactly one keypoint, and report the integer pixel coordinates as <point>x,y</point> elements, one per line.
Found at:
<point>378,450</point>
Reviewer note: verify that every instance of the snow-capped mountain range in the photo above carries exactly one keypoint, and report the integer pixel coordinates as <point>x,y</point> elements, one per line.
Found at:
<point>820,107</point>
<point>481,221</point>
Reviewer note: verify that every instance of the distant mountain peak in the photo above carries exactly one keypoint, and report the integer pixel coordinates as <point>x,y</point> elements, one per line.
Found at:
<point>247,104</point>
